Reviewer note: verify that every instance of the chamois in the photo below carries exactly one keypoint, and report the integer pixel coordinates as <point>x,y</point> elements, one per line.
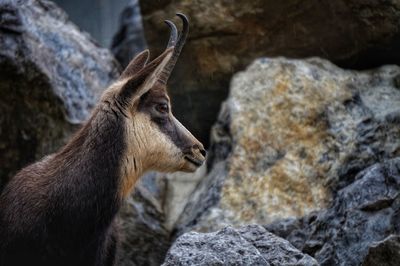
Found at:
<point>61,210</point>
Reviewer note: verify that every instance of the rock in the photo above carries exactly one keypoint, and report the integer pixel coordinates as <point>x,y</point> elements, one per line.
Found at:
<point>226,36</point>
<point>297,130</point>
<point>99,18</point>
<point>147,218</point>
<point>356,229</point>
<point>385,252</point>
<point>51,75</point>
<point>284,227</point>
<point>179,189</point>
<point>144,238</point>
<point>129,40</point>
<point>247,245</point>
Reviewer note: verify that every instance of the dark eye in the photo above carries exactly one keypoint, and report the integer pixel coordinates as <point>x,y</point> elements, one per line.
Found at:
<point>162,108</point>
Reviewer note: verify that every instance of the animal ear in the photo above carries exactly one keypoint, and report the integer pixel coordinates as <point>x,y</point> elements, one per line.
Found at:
<point>138,82</point>
<point>136,64</point>
<point>145,79</point>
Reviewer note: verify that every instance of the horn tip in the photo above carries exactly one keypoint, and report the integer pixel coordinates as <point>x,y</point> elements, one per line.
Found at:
<point>183,16</point>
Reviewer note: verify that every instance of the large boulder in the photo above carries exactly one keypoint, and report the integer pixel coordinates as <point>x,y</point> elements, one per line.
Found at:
<point>228,35</point>
<point>247,245</point>
<point>51,75</point>
<point>291,133</point>
<point>362,225</point>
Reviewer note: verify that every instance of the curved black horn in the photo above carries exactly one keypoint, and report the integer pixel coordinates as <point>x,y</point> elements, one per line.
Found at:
<point>183,34</point>
<point>174,33</point>
<point>166,72</point>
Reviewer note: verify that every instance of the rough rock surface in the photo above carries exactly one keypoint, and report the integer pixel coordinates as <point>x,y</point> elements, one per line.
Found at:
<point>51,75</point>
<point>228,35</point>
<point>147,218</point>
<point>296,130</point>
<point>144,238</point>
<point>358,227</point>
<point>129,40</point>
<point>247,245</point>
<point>179,189</point>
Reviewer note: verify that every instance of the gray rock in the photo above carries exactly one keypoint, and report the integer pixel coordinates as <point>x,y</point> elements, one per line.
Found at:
<point>129,40</point>
<point>51,75</point>
<point>356,228</point>
<point>226,36</point>
<point>247,245</point>
<point>144,238</point>
<point>291,134</point>
<point>147,216</point>
<point>284,227</point>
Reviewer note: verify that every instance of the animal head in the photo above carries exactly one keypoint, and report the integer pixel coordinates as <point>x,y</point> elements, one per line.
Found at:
<point>155,139</point>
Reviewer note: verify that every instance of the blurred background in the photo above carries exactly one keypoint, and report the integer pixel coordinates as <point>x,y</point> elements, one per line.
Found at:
<point>297,102</point>
<point>99,18</point>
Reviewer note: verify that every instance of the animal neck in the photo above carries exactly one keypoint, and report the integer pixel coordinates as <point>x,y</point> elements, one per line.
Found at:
<point>135,156</point>
<point>90,168</point>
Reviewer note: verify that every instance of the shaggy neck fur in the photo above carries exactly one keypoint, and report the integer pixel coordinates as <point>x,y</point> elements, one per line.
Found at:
<point>68,200</point>
<point>88,174</point>
<point>100,164</point>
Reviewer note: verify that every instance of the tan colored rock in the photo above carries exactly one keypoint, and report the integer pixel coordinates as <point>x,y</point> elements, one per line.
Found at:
<point>226,36</point>
<point>297,130</point>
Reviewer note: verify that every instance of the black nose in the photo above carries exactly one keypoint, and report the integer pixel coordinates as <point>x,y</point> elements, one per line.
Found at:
<point>201,149</point>
<point>203,152</point>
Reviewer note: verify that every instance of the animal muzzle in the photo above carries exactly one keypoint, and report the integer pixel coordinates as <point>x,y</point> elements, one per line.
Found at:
<point>192,149</point>
<point>196,154</point>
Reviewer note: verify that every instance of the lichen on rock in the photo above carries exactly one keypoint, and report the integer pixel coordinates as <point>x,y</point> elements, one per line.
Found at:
<point>226,36</point>
<point>298,130</point>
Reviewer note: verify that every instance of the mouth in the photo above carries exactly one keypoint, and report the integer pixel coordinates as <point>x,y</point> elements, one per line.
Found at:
<point>194,161</point>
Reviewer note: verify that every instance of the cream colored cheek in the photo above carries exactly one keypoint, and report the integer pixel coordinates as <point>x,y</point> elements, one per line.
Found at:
<point>158,151</point>
<point>169,155</point>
